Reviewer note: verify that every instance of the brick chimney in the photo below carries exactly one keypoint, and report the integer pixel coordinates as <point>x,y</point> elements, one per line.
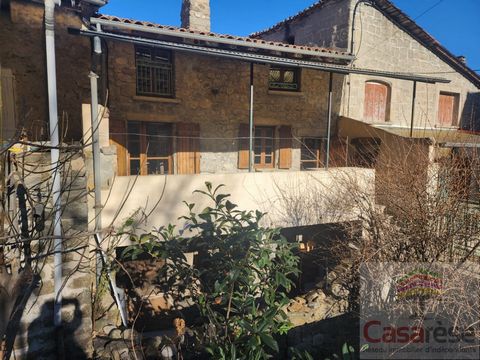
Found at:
<point>196,15</point>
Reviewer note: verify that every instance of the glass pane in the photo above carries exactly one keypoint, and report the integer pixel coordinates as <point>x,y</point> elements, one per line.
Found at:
<point>157,167</point>
<point>274,75</point>
<point>158,139</point>
<point>268,159</point>
<point>133,139</point>
<point>289,76</point>
<point>309,165</point>
<point>134,148</point>
<point>135,167</point>
<point>143,53</point>
<point>258,159</point>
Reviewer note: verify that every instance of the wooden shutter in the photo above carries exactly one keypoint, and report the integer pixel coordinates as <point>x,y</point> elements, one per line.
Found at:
<point>188,148</point>
<point>338,152</point>
<point>243,146</point>
<point>285,147</point>
<point>7,102</point>
<point>118,139</point>
<point>447,109</point>
<point>376,102</point>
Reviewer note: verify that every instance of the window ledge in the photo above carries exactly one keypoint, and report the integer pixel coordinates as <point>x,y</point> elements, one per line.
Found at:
<point>285,93</point>
<point>157,99</point>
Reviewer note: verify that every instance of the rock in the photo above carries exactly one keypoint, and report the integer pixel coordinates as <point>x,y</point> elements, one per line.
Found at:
<point>107,329</point>
<point>128,334</point>
<point>295,307</point>
<point>168,352</point>
<point>300,300</point>
<point>115,334</point>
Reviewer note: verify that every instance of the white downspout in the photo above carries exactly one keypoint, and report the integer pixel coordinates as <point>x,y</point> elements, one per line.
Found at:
<point>55,156</point>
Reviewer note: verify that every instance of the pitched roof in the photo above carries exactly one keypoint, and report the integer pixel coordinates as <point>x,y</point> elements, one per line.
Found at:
<point>403,21</point>
<point>218,37</point>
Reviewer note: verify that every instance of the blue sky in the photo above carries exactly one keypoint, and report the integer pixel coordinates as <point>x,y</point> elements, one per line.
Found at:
<point>455,23</point>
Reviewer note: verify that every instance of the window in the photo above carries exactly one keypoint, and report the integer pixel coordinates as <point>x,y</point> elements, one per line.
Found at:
<point>149,148</point>
<point>285,79</point>
<point>311,153</point>
<point>154,72</point>
<point>263,149</point>
<point>448,109</point>
<point>377,102</point>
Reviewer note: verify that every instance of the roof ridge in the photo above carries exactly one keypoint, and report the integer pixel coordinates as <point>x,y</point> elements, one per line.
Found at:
<point>246,39</point>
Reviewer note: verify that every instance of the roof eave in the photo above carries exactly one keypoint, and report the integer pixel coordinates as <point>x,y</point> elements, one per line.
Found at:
<point>212,38</point>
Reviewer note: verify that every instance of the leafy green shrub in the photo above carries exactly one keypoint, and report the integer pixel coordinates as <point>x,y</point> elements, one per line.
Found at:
<point>240,279</point>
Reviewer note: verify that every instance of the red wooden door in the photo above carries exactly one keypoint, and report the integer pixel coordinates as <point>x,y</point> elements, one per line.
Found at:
<point>447,112</point>
<point>376,102</point>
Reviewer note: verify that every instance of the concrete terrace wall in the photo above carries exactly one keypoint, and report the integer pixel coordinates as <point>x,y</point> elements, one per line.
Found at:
<point>214,92</point>
<point>22,49</point>
<point>250,191</point>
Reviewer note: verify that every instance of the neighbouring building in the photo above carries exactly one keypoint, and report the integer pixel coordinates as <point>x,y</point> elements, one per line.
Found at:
<point>281,111</point>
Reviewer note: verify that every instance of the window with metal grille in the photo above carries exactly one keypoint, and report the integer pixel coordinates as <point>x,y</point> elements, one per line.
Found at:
<point>263,149</point>
<point>311,153</point>
<point>149,148</point>
<point>285,79</point>
<point>155,75</point>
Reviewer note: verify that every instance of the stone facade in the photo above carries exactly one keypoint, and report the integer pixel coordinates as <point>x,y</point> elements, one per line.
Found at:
<point>381,45</point>
<point>36,337</point>
<point>214,92</point>
<point>195,15</point>
<point>23,51</point>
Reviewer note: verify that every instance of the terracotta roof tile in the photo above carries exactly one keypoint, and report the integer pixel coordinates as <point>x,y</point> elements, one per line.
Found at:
<point>247,40</point>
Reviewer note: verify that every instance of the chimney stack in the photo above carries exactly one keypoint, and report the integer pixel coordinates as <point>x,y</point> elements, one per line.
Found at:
<point>196,15</point>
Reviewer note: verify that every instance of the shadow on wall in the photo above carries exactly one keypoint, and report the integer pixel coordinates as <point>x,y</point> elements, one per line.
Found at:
<point>44,344</point>
<point>470,119</point>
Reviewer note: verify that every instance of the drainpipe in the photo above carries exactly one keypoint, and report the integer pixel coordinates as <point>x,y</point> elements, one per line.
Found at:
<point>55,157</point>
<point>250,136</point>
<point>413,107</point>
<point>97,179</point>
<point>352,40</point>
<point>329,123</point>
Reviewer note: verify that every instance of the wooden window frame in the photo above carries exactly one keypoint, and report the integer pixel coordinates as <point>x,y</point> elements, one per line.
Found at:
<point>456,109</point>
<point>318,162</point>
<point>263,154</point>
<point>388,104</point>
<point>144,158</point>
<point>152,64</point>
<point>282,85</point>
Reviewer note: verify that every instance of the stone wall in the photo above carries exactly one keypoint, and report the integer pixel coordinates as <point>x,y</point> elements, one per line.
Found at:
<point>195,15</point>
<point>36,336</point>
<point>22,49</point>
<point>327,26</point>
<point>214,92</point>
<point>382,45</point>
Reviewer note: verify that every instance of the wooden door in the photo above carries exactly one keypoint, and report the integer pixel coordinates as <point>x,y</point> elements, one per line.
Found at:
<point>377,98</point>
<point>447,109</point>
<point>188,148</point>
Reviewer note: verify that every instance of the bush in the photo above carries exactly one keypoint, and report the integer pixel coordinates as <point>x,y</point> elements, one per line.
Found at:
<point>239,283</point>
